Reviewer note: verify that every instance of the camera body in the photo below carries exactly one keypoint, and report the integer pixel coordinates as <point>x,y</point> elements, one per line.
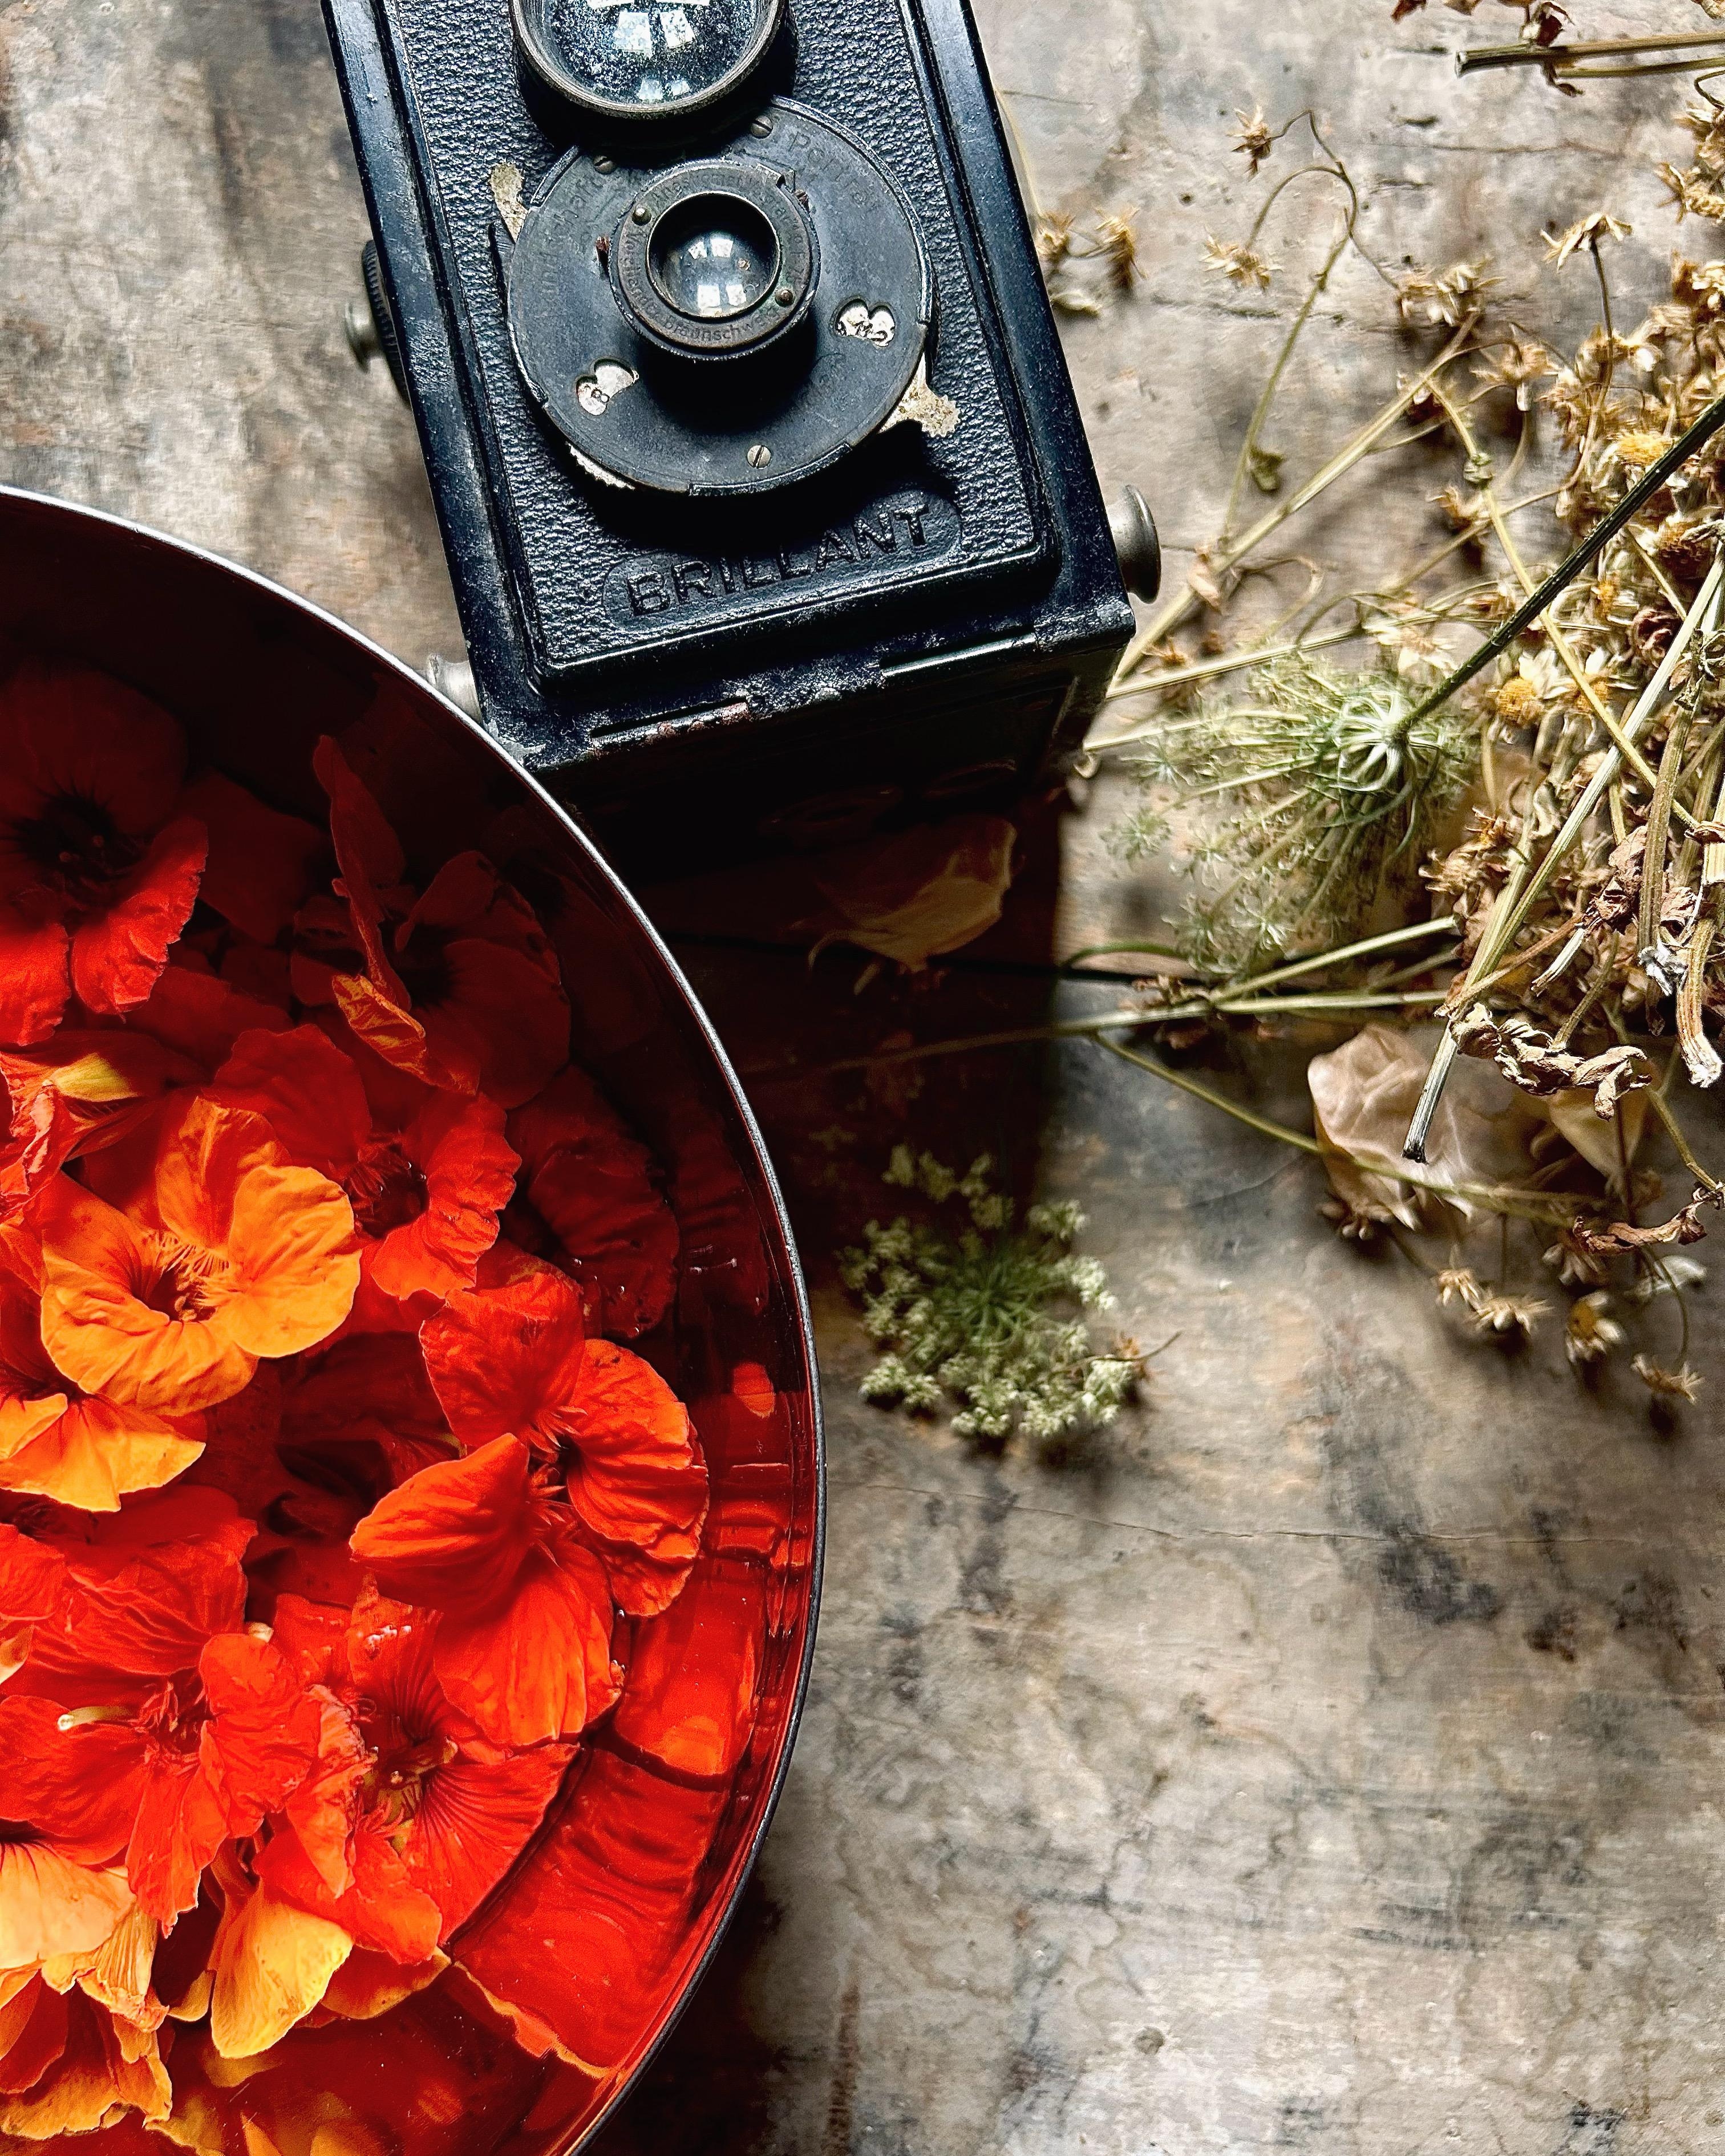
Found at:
<point>766,496</point>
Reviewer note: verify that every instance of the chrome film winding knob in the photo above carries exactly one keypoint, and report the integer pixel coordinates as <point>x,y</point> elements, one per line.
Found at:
<point>370,323</point>
<point>1133,531</point>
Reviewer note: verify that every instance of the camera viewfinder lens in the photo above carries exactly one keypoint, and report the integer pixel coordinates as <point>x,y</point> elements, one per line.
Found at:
<point>641,59</point>
<point>713,258</point>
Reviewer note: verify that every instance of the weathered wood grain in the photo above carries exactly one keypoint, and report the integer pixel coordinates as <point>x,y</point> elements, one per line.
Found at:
<point>1329,1757</point>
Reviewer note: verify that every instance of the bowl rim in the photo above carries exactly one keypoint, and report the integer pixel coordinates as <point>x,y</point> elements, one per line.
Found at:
<point>695,1011</point>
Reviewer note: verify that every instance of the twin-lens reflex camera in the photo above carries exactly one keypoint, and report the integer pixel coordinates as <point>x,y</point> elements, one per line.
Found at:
<point>769,507</point>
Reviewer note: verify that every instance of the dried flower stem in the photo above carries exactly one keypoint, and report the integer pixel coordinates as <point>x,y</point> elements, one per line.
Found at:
<point>1639,494</point>
<point>1659,825</point>
<point>1506,1199</point>
<point>1336,169</point>
<point>1561,59</point>
<point>1319,1005</point>
<point>1182,602</point>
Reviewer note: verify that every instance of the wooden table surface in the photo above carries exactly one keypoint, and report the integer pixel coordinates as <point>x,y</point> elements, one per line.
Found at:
<point>1328,1758</point>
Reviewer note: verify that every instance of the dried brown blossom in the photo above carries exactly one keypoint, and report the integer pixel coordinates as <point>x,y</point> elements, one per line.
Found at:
<point>1443,299</point>
<point>1587,232</point>
<point>1589,1335</point>
<point>1692,194</point>
<point>1238,263</point>
<point>1118,245</point>
<point>1354,1221</point>
<point>1507,1314</point>
<point>1682,1383</point>
<point>1054,239</point>
<point>1574,1262</point>
<point>1252,137</point>
<point>1517,364</point>
<point>1491,1311</point>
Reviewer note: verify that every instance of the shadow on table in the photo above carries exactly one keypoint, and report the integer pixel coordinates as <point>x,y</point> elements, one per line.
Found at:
<point>812,1023</point>
<point>801,1035</point>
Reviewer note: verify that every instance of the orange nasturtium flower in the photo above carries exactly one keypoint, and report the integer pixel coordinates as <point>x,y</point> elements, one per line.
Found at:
<point>98,876</point>
<point>524,1643</point>
<point>56,1441</point>
<point>223,1253</point>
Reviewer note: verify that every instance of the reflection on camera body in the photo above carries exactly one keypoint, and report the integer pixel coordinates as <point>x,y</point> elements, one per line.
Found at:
<point>766,497</point>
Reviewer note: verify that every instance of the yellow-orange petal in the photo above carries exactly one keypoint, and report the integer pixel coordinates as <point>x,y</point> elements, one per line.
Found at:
<point>48,1905</point>
<point>295,1261</point>
<point>117,1974</point>
<point>22,1422</point>
<point>95,1452</point>
<point>273,1964</point>
<point>98,2075</point>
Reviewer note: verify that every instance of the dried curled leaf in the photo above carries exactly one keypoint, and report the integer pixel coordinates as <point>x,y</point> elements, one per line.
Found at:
<point>921,892</point>
<point>1620,1238</point>
<point>1528,1059</point>
<point>1362,1095</point>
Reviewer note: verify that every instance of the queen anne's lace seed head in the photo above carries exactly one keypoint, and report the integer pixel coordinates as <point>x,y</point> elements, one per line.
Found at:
<point>977,1316</point>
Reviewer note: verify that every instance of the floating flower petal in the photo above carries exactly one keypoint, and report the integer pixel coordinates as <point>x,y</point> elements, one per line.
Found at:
<point>591,1184</point>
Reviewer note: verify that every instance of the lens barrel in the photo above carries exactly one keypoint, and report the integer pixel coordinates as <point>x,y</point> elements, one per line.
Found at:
<point>715,259</point>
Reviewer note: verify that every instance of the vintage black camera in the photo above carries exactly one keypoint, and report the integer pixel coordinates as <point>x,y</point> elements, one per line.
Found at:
<point>766,496</point>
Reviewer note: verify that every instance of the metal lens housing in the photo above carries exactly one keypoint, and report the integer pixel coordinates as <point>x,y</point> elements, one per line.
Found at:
<point>636,61</point>
<point>715,259</point>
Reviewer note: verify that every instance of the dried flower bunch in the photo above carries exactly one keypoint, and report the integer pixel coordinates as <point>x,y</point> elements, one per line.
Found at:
<point>1526,842</point>
<point>332,1515</point>
<point>977,1316</point>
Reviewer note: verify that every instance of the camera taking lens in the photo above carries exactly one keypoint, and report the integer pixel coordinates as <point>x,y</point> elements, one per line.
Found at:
<point>715,324</point>
<point>714,260</point>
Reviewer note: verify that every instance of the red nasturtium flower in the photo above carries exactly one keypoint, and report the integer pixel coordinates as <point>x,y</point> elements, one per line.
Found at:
<point>408,1773</point>
<point>98,876</point>
<point>223,1253</point>
<point>425,1198</point>
<point>514,1361</point>
<point>460,986</point>
<point>523,1646</point>
<point>137,1592</point>
<point>62,1889</point>
<point>184,1756</point>
<point>73,1094</point>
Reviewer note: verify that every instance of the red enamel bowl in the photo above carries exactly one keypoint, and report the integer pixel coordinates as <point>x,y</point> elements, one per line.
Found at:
<point>600,1935</point>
